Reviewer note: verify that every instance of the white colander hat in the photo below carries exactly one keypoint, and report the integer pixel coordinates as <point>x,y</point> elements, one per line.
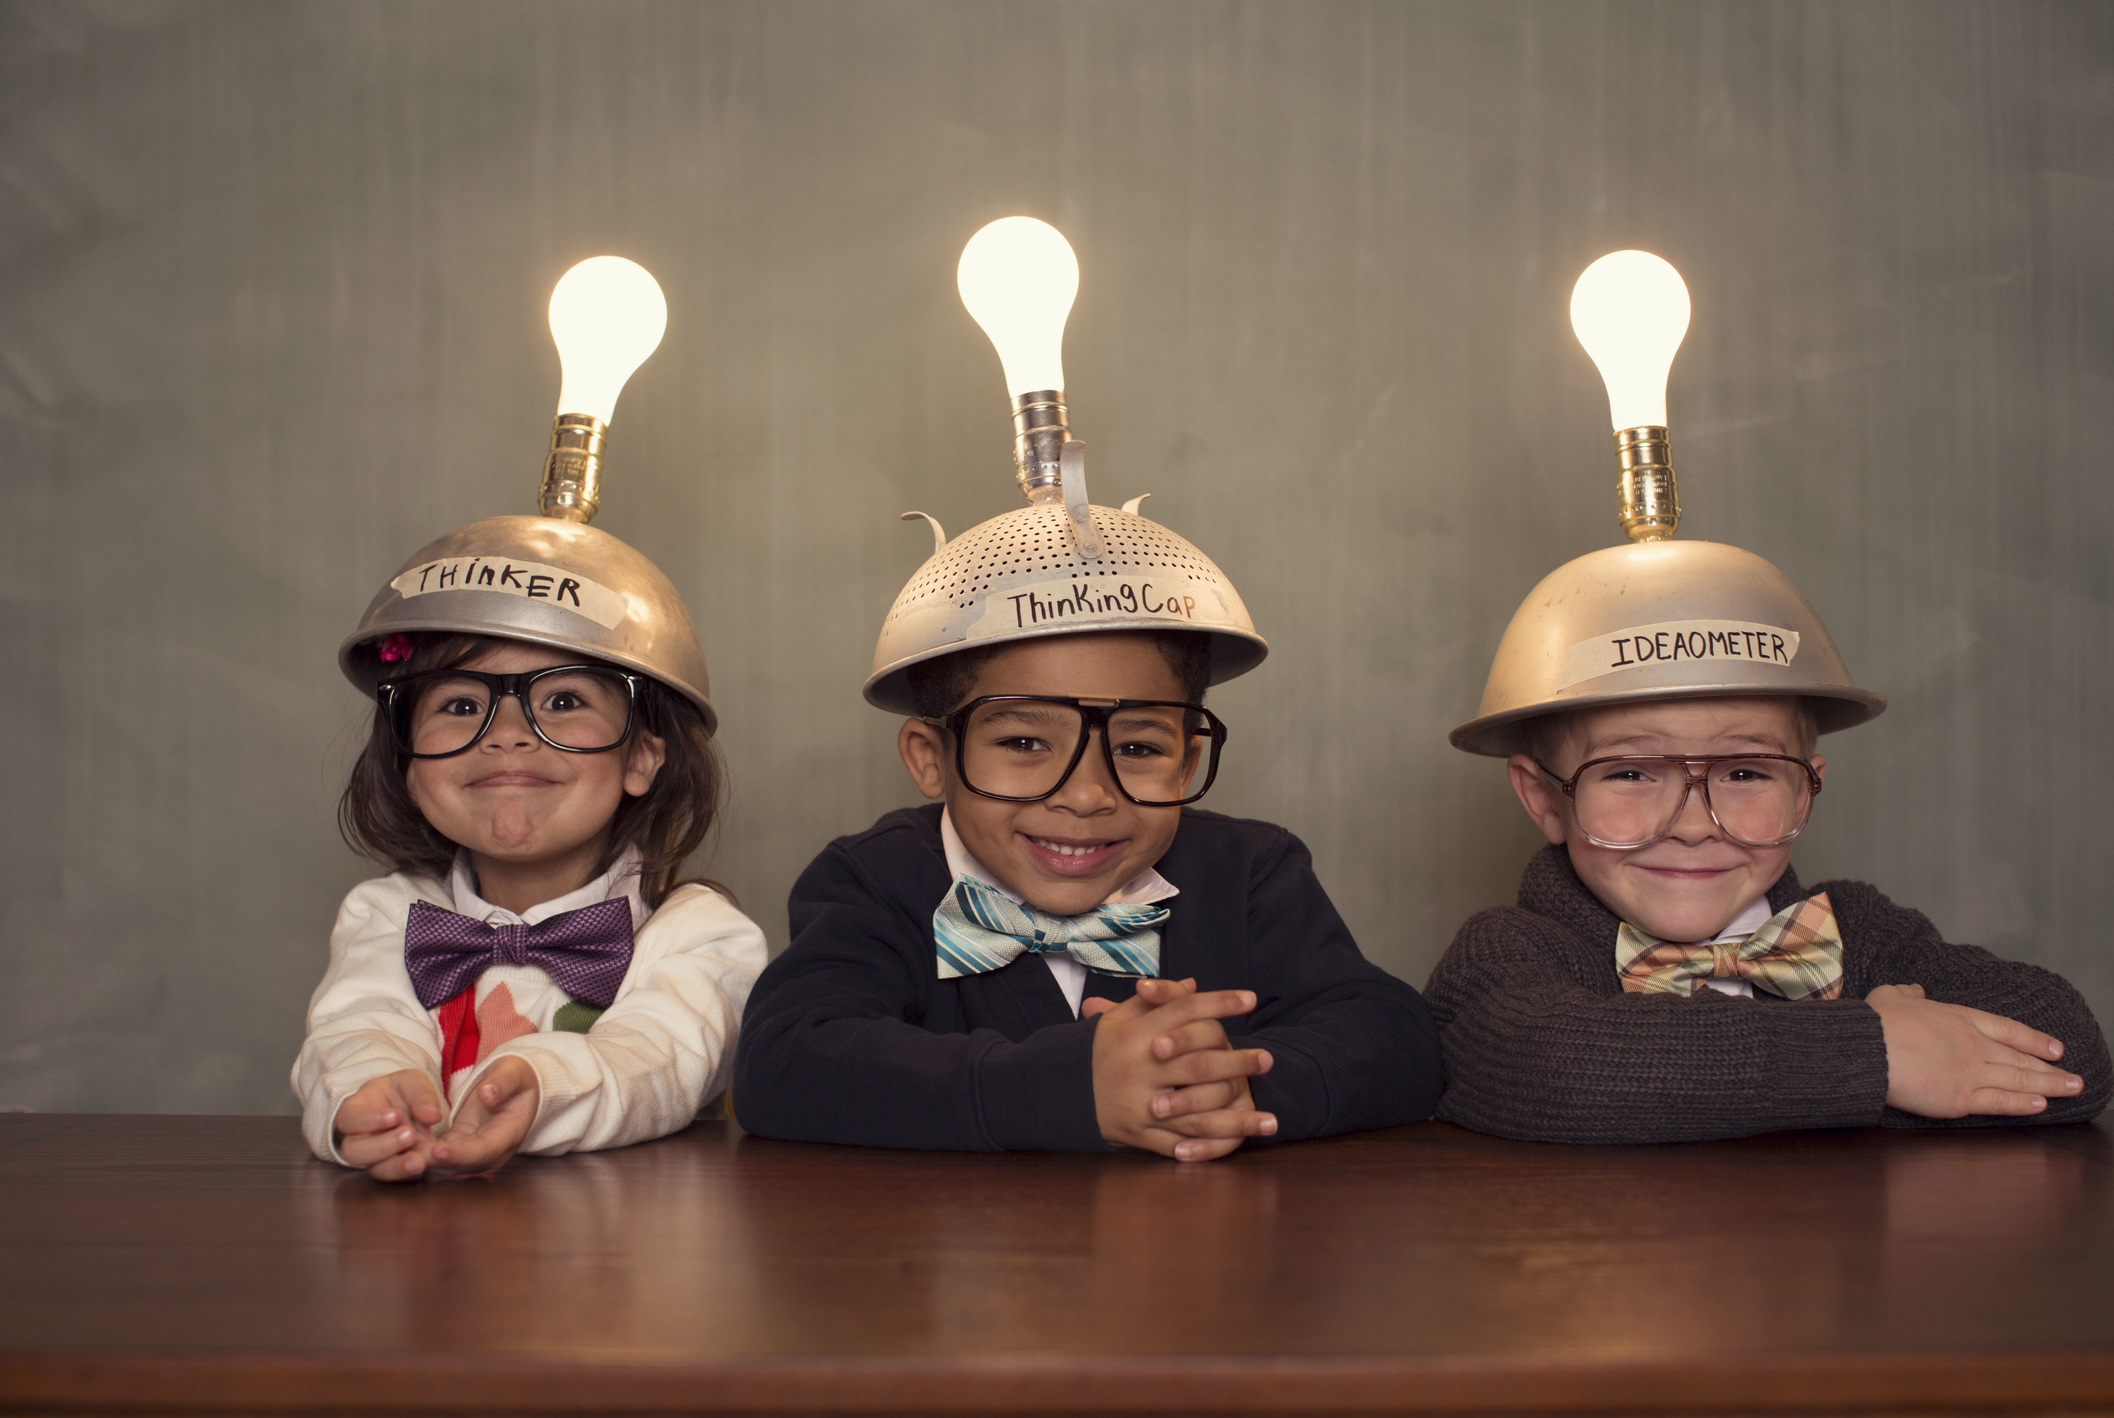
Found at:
<point>1058,568</point>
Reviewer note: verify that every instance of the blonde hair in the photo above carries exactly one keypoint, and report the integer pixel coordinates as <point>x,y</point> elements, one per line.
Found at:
<point>1550,736</point>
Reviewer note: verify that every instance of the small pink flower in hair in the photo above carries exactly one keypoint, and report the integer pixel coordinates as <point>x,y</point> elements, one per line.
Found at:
<point>396,647</point>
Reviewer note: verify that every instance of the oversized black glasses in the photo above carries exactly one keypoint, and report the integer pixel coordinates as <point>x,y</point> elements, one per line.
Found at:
<point>573,708</point>
<point>1756,799</point>
<point>1021,748</point>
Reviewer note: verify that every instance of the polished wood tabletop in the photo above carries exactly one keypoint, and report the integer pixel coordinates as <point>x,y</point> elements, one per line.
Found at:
<point>165,1264</point>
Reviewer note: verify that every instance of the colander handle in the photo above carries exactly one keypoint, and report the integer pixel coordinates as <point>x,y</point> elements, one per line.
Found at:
<point>1072,473</point>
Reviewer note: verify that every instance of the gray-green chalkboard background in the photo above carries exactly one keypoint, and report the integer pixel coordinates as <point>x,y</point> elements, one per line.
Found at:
<point>272,279</point>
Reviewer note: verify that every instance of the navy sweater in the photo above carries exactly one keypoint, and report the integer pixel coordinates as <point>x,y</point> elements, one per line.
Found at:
<point>851,1036</point>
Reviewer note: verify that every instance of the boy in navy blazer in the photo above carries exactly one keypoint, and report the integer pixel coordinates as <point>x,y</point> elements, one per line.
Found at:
<point>1061,952</point>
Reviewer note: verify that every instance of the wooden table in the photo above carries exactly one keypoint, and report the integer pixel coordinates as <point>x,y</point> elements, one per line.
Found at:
<point>164,1264</point>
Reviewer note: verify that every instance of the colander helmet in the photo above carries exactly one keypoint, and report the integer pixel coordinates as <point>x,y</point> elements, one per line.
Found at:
<point>1049,569</point>
<point>1660,620</point>
<point>547,581</point>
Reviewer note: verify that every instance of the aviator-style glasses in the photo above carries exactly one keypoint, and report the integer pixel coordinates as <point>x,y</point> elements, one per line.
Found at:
<point>1021,748</point>
<point>573,708</point>
<point>1756,799</point>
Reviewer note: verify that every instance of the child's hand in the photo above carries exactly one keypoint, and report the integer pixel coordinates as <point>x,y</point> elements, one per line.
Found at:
<point>1166,1044</point>
<point>387,1125</point>
<point>492,1121</point>
<point>1947,1061</point>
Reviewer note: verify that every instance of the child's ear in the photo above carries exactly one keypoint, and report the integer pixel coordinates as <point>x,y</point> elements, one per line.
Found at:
<point>642,763</point>
<point>1537,795</point>
<point>924,750</point>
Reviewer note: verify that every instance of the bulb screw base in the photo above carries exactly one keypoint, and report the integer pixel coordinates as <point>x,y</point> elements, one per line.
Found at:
<point>1040,431</point>
<point>572,474</point>
<point>1651,508</point>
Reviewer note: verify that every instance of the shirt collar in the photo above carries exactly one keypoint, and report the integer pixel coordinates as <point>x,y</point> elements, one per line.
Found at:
<point>1746,923</point>
<point>1143,889</point>
<point>622,879</point>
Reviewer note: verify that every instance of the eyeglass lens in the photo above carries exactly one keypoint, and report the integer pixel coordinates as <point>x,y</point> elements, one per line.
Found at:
<point>1758,801</point>
<point>581,709</point>
<point>1021,749</point>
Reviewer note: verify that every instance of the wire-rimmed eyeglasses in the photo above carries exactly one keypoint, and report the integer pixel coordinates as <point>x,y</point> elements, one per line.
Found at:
<point>1634,800</point>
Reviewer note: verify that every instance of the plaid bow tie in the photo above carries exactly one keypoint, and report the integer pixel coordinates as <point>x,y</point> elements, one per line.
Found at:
<point>1796,954</point>
<point>585,951</point>
<point>976,930</point>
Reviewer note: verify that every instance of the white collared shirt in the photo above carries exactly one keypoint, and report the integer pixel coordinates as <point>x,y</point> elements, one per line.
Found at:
<point>622,879</point>
<point>1742,926</point>
<point>1143,889</point>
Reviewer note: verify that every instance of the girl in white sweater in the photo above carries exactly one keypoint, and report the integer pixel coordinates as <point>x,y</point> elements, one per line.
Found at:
<point>531,976</point>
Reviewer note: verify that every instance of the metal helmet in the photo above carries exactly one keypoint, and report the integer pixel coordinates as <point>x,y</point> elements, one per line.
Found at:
<point>1660,620</point>
<point>545,580</point>
<point>1053,569</point>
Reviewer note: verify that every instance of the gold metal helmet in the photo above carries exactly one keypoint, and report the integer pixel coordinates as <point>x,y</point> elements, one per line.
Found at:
<point>545,580</point>
<point>553,580</point>
<point>1657,619</point>
<point>1660,620</point>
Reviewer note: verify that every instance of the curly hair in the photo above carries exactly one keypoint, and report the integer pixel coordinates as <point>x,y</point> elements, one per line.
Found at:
<point>667,823</point>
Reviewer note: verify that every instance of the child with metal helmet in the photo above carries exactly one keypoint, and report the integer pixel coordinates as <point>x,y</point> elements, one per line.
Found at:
<point>531,976</point>
<point>1063,953</point>
<point>1665,975</point>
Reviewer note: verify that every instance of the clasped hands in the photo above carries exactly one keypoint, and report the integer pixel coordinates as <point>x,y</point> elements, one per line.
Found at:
<point>386,1126</point>
<point>1949,1061</point>
<point>1167,1080</point>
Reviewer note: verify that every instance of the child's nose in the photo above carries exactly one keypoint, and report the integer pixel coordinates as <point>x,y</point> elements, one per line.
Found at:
<point>1694,824</point>
<point>1091,788</point>
<point>510,726</point>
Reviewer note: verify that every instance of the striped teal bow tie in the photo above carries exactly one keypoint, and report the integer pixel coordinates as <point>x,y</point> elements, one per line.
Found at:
<point>977,930</point>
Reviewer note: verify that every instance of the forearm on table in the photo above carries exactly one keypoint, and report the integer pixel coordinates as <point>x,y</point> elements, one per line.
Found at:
<point>1568,1067</point>
<point>1347,1066</point>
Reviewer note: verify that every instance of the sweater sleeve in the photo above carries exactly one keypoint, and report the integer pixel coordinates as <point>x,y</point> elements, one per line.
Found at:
<point>1351,1046</point>
<point>364,1021</point>
<point>663,1046</point>
<point>833,1050</point>
<point>1534,1051</point>
<point>1895,945</point>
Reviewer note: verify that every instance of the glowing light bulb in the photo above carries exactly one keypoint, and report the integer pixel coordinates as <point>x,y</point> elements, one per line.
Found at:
<point>1630,310</point>
<point>607,315</point>
<point>1018,277</point>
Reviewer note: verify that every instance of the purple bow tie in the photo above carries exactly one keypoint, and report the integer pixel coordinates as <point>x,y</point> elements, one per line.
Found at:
<point>585,951</point>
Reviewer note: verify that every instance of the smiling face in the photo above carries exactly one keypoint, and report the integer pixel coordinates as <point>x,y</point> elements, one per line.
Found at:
<point>535,820</point>
<point>1075,848</point>
<point>1689,885</point>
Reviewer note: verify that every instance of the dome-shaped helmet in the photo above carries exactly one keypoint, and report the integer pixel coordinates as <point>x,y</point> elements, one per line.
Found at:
<point>1025,574</point>
<point>1660,620</point>
<point>547,581</point>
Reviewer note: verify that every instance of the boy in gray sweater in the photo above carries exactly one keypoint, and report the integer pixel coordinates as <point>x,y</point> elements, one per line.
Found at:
<point>1665,975</point>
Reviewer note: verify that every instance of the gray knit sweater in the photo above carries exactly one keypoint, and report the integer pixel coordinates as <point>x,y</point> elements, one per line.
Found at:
<point>1542,1043</point>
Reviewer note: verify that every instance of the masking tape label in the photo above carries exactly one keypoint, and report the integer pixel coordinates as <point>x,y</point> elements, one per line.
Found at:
<point>1641,645</point>
<point>529,580</point>
<point>1154,604</point>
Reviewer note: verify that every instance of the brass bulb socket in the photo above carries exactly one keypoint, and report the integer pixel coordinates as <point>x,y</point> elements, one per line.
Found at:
<point>1651,507</point>
<point>572,473</point>
<point>1039,434</point>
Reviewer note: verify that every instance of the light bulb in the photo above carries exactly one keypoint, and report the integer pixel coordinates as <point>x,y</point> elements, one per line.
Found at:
<point>1630,310</point>
<point>1018,277</point>
<point>607,315</point>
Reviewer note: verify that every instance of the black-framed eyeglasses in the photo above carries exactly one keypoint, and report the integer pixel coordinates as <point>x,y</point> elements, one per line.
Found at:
<point>1634,800</point>
<point>573,708</point>
<point>1022,748</point>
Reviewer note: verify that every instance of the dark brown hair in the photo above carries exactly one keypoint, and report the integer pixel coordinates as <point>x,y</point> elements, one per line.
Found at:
<point>666,823</point>
<point>939,686</point>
